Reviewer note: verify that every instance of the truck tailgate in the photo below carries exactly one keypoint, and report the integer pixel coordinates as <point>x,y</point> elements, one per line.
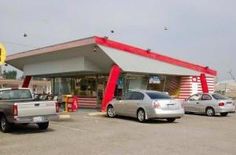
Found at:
<point>36,108</point>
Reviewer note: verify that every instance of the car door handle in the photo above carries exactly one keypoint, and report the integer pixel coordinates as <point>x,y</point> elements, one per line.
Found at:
<point>197,102</point>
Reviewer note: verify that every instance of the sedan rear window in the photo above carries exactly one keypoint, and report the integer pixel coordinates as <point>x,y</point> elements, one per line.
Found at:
<point>219,97</point>
<point>156,95</point>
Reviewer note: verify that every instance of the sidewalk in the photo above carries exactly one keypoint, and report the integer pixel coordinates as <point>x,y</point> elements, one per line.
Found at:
<point>90,112</point>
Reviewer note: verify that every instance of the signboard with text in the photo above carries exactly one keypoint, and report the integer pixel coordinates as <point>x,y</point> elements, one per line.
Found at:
<point>2,54</point>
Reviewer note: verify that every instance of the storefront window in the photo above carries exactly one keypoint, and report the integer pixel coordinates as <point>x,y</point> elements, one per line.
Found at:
<point>86,86</point>
<point>62,86</point>
<point>134,81</point>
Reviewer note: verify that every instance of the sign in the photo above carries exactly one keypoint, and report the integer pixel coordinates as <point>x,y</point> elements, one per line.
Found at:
<point>154,80</point>
<point>2,54</point>
<point>195,78</point>
<point>194,88</point>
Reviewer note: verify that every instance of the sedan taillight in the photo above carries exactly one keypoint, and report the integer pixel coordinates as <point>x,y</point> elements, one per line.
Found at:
<point>15,110</point>
<point>155,104</point>
<point>221,104</point>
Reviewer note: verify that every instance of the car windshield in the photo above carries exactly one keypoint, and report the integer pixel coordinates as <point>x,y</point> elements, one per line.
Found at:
<point>15,94</point>
<point>157,95</point>
<point>219,97</point>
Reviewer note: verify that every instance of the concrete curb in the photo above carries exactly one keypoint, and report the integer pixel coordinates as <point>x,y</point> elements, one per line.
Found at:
<point>97,113</point>
<point>64,116</point>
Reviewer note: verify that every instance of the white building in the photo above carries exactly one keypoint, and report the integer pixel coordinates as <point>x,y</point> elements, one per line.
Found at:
<point>100,68</point>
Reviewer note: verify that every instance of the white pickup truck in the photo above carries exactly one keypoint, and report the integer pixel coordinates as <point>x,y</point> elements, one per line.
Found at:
<point>17,106</point>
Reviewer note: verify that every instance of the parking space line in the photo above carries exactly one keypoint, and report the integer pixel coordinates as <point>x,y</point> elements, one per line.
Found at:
<point>70,128</point>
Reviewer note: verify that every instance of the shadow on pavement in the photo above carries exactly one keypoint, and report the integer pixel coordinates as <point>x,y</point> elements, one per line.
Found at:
<point>150,121</point>
<point>204,115</point>
<point>28,129</point>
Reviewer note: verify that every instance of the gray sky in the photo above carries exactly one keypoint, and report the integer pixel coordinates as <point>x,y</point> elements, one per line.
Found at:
<point>202,31</point>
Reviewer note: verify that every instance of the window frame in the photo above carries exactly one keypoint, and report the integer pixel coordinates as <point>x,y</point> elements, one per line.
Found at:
<point>149,94</point>
<point>135,96</point>
<point>189,99</point>
<point>210,98</point>
<point>12,90</point>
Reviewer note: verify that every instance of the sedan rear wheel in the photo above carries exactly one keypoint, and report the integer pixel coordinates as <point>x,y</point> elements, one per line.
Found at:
<point>210,112</point>
<point>170,120</point>
<point>141,115</point>
<point>110,111</point>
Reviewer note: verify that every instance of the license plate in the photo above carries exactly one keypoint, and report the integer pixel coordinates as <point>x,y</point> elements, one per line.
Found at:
<point>38,119</point>
<point>171,106</point>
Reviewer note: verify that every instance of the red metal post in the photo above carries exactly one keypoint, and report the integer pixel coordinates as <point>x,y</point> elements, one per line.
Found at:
<point>110,87</point>
<point>26,81</point>
<point>204,83</point>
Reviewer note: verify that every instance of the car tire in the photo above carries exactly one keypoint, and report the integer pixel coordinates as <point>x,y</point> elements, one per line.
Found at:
<point>224,114</point>
<point>141,115</point>
<point>110,111</point>
<point>210,111</point>
<point>5,126</point>
<point>170,120</point>
<point>43,126</point>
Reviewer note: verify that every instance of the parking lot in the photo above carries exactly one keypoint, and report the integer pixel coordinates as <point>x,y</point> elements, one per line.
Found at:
<point>85,134</point>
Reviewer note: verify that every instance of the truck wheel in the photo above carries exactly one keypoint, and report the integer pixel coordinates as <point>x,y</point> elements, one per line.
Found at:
<point>43,126</point>
<point>5,125</point>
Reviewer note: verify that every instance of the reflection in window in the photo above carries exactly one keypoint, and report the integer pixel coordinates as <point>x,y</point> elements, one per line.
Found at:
<point>195,97</point>
<point>62,86</point>
<point>206,97</point>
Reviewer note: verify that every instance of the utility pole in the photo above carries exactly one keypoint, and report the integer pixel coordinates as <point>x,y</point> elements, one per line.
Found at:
<point>232,76</point>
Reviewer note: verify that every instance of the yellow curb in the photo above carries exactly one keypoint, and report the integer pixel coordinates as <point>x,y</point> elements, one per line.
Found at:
<point>64,112</point>
<point>64,117</point>
<point>97,113</point>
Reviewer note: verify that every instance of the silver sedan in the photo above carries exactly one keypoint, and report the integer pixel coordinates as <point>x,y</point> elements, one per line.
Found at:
<point>209,104</point>
<point>146,104</point>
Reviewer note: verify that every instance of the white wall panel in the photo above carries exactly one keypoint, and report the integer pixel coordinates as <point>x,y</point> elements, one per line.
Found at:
<point>55,66</point>
<point>135,63</point>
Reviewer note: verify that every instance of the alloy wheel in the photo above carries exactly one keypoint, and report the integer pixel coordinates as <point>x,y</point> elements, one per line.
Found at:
<point>110,111</point>
<point>3,124</point>
<point>141,116</point>
<point>210,112</point>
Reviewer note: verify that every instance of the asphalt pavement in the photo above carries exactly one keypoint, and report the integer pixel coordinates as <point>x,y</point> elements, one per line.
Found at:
<point>88,132</point>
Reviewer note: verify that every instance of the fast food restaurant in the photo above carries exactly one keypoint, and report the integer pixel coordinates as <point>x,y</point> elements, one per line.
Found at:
<point>97,69</point>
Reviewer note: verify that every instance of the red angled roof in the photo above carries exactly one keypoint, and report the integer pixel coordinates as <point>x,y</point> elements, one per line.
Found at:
<point>13,59</point>
<point>153,55</point>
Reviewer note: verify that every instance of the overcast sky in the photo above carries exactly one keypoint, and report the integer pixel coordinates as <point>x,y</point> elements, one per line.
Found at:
<point>199,31</point>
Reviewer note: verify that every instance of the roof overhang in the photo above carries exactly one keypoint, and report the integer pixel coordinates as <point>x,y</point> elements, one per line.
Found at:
<point>96,55</point>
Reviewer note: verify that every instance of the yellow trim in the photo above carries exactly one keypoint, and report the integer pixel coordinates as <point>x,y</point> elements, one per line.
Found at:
<point>3,54</point>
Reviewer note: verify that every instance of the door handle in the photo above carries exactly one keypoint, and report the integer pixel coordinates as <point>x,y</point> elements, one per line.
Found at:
<point>197,102</point>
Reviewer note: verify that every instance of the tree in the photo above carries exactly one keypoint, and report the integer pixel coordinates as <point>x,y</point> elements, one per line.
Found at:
<point>10,74</point>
